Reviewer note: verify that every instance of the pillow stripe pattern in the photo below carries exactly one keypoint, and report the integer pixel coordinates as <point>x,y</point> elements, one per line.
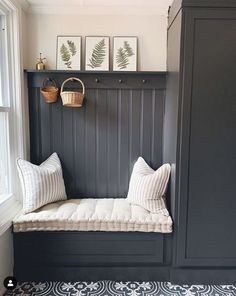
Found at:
<point>147,187</point>
<point>41,184</point>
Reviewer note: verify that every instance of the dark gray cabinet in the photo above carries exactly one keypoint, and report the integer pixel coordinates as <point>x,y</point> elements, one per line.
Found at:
<point>200,132</point>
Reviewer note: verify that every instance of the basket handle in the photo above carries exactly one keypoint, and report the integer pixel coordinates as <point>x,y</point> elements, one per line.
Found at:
<point>49,80</point>
<point>71,79</point>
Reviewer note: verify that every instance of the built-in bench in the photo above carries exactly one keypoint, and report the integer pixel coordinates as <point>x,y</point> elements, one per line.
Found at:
<point>90,239</point>
<point>121,119</point>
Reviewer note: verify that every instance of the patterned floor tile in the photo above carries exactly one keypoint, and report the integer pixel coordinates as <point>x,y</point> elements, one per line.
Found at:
<point>110,288</point>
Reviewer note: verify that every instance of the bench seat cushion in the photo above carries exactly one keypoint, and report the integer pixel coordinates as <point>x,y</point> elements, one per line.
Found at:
<point>93,215</point>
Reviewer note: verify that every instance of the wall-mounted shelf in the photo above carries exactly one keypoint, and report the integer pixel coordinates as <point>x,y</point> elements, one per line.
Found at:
<point>98,72</point>
<point>102,79</point>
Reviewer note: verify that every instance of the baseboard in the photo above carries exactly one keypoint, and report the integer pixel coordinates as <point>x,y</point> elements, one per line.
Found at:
<point>202,276</point>
<point>138,273</point>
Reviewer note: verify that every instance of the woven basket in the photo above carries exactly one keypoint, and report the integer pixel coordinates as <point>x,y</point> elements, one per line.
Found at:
<point>49,92</point>
<point>72,98</point>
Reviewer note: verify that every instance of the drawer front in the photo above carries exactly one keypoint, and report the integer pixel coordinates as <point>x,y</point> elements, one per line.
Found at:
<point>87,248</point>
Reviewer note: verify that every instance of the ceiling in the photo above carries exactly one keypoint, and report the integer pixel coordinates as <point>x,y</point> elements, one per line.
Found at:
<point>152,7</point>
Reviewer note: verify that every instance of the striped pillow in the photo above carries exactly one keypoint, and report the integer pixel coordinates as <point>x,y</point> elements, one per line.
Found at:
<point>147,187</point>
<point>41,184</point>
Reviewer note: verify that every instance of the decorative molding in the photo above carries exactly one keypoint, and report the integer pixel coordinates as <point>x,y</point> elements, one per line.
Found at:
<point>17,137</point>
<point>24,4</point>
<point>90,7</point>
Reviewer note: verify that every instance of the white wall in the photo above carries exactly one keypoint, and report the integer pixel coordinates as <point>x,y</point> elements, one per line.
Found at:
<point>6,257</point>
<point>150,29</point>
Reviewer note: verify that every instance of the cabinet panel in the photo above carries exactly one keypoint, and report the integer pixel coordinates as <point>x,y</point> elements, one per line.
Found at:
<point>208,158</point>
<point>69,248</point>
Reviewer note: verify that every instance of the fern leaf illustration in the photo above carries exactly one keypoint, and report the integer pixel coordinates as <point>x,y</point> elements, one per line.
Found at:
<point>98,55</point>
<point>72,47</point>
<point>128,49</point>
<point>65,55</point>
<point>122,59</point>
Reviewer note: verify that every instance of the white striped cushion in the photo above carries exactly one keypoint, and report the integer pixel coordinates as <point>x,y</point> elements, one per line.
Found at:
<point>147,187</point>
<point>41,184</point>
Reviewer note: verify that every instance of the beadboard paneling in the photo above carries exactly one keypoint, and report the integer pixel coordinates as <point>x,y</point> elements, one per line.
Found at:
<point>99,143</point>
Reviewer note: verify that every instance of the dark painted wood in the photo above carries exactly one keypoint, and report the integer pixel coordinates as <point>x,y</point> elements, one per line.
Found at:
<point>78,248</point>
<point>173,92</point>
<point>68,274</point>
<point>97,80</point>
<point>99,143</point>
<point>203,97</point>
<point>80,251</point>
<point>109,73</point>
<point>201,276</point>
<point>177,5</point>
<point>212,159</point>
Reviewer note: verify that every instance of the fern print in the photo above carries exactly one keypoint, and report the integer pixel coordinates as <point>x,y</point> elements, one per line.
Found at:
<point>65,55</point>
<point>69,52</point>
<point>98,55</point>
<point>122,59</point>
<point>128,49</point>
<point>72,47</point>
<point>123,55</point>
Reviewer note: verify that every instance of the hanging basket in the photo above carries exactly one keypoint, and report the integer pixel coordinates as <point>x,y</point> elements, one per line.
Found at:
<point>49,92</point>
<point>72,98</point>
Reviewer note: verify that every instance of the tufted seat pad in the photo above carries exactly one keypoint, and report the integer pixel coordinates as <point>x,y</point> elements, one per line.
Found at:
<point>92,215</point>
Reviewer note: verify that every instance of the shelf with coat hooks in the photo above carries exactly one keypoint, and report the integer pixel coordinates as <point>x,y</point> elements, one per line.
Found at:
<point>97,72</point>
<point>101,79</point>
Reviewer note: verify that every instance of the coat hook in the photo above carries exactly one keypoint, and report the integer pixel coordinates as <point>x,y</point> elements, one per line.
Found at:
<point>144,81</point>
<point>120,81</point>
<point>97,80</point>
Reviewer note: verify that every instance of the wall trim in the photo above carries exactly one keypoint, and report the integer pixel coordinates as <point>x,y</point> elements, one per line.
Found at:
<point>17,134</point>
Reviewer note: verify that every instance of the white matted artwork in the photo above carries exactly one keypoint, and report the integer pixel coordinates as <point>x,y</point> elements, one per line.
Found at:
<point>68,52</point>
<point>97,53</point>
<point>125,53</point>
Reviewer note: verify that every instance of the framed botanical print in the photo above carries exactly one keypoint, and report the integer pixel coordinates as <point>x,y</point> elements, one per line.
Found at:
<point>69,52</point>
<point>97,53</point>
<point>125,53</point>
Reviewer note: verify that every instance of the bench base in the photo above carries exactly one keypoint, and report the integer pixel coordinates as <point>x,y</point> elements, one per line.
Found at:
<point>118,256</point>
<point>74,274</point>
<point>74,256</point>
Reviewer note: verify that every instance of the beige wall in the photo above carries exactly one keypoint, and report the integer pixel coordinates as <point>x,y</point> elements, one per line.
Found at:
<point>24,37</point>
<point>150,29</point>
<point>6,257</point>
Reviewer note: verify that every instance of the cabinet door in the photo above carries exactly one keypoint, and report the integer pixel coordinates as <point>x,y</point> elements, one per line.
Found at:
<point>207,179</point>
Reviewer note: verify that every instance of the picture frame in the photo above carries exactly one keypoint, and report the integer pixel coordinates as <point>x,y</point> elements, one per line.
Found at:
<point>68,52</point>
<point>125,56</point>
<point>97,53</point>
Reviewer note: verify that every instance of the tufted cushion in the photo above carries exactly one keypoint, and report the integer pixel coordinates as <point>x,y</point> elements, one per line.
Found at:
<point>93,215</point>
<point>147,187</point>
<point>41,184</point>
